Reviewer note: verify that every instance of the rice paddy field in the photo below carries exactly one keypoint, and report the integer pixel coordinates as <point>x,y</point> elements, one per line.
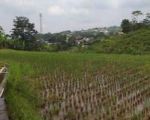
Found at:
<point>77,86</point>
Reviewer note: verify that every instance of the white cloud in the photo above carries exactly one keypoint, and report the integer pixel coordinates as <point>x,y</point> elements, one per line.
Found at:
<point>115,3</point>
<point>70,14</point>
<point>19,3</point>
<point>81,11</point>
<point>56,10</point>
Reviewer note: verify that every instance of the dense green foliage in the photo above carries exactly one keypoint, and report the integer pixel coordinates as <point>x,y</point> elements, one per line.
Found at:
<point>135,24</point>
<point>63,41</point>
<point>24,67</point>
<point>4,42</point>
<point>134,41</point>
<point>137,42</point>
<point>126,26</point>
<point>25,32</point>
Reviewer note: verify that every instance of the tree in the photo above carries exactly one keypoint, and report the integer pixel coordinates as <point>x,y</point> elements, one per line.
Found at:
<point>1,30</point>
<point>126,26</point>
<point>24,31</point>
<point>4,42</point>
<point>136,15</point>
<point>1,38</point>
<point>136,24</point>
<point>148,16</point>
<point>146,21</point>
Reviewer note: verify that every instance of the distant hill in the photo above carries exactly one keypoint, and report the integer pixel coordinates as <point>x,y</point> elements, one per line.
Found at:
<point>67,39</point>
<point>106,30</point>
<point>137,42</point>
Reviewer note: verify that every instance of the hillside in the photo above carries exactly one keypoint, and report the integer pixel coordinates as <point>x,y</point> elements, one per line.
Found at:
<point>74,38</point>
<point>137,42</point>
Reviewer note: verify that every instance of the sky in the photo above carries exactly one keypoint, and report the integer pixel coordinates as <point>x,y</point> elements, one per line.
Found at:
<point>60,15</point>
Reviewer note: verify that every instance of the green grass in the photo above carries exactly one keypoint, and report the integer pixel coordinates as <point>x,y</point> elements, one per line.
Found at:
<point>137,42</point>
<point>24,67</point>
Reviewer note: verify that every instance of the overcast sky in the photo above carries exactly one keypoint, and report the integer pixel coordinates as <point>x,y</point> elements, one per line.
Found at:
<point>59,15</point>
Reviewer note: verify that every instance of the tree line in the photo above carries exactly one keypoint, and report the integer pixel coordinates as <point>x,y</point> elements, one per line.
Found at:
<point>139,20</point>
<point>25,37</point>
<point>22,35</point>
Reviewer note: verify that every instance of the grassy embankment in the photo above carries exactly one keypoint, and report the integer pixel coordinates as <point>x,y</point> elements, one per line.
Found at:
<point>137,42</point>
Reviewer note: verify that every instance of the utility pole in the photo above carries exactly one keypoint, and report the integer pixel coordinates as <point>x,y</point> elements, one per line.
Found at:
<point>41,25</point>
